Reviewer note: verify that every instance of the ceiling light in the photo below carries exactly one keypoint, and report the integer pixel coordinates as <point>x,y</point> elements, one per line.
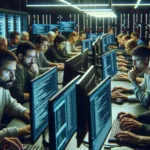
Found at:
<point>137,4</point>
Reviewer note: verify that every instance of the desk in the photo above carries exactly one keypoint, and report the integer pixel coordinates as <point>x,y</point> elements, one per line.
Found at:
<point>135,108</point>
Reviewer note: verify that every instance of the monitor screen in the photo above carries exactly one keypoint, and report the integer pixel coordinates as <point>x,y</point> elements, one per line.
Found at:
<point>52,26</point>
<point>42,89</point>
<point>99,113</point>
<point>87,43</point>
<point>39,28</point>
<point>86,83</point>
<point>112,38</point>
<point>72,68</point>
<point>62,116</point>
<point>109,64</point>
<point>104,43</point>
<point>67,26</point>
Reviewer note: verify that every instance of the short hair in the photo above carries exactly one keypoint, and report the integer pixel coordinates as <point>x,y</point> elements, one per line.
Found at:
<point>135,34</point>
<point>50,33</point>
<point>109,29</point>
<point>59,39</point>
<point>23,33</point>
<point>2,39</point>
<point>82,32</point>
<point>131,43</point>
<point>141,51</point>
<point>74,33</point>
<point>6,55</point>
<point>40,39</point>
<point>23,47</point>
<point>127,37</point>
<point>13,34</point>
<point>55,29</point>
<point>120,35</point>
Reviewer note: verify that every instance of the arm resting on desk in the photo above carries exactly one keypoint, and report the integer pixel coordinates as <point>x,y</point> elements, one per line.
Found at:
<point>9,132</point>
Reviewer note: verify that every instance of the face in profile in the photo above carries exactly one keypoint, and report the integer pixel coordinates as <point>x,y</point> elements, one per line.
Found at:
<point>43,46</point>
<point>7,74</point>
<point>4,44</point>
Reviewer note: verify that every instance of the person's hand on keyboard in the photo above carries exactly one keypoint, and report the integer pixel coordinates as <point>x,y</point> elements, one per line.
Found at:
<point>26,130</point>
<point>119,89</point>
<point>115,95</point>
<point>127,137</point>
<point>27,115</point>
<point>130,124</point>
<point>121,115</point>
<point>10,143</point>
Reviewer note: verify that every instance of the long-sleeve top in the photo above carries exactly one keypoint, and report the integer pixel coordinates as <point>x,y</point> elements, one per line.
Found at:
<point>142,91</point>
<point>21,84</point>
<point>42,62</point>
<point>144,118</point>
<point>69,47</point>
<point>140,42</point>
<point>9,106</point>
<point>53,54</point>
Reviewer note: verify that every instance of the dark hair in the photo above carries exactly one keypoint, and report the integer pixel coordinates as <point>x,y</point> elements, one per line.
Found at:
<point>109,29</point>
<point>127,37</point>
<point>13,34</point>
<point>59,38</point>
<point>135,34</point>
<point>6,55</point>
<point>141,51</point>
<point>23,47</point>
<point>120,35</point>
<point>82,32</point>
<point>40,39</point>
<point>55,29</point>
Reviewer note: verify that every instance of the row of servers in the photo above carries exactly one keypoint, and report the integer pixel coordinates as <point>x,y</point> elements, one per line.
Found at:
<point>12,20</point>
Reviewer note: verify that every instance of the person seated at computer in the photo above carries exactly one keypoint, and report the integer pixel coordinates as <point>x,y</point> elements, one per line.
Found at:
<point>14,40</point>
<point>10,143</point>
<point>41,43</point>
<point>134,123</point>
<point>119,40</point>
<point>51,36</point>
<point>9,105</point>
<point>125,62</point>
<point>26,70</point>
<point>24,36</point>
<point>135,37</point>
<point>70,44</point>
<point>56,31</point>
<point>140,57</point>
<point>3,43</point>
<point>54,52</point>
<point>110,30</point>
<point>82,36</point>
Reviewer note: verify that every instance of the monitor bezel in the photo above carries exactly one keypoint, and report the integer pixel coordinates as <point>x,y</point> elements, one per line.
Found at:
<point>54,69</point>
<point>52,114</point>
<point>89,115</point>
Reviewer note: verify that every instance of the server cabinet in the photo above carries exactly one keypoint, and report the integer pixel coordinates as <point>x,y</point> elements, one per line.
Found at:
<point>2,24</point>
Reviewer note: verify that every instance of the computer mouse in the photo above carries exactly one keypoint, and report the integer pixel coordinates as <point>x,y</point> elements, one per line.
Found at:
<point>119,101</point>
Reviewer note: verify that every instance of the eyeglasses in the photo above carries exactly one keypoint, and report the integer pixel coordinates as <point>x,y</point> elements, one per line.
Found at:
<point>30,57</point>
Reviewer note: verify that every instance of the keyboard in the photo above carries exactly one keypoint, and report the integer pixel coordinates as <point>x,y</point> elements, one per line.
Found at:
<point>32,147</point>
<point>114,130</point>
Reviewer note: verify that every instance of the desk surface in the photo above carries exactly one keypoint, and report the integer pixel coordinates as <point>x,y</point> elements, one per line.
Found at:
<point>135,108</point>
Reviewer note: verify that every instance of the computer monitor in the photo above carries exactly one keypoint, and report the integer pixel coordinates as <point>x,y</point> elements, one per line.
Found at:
<point>72,68</point>
<point>99,114</point>
<point>112,38</point>
<point>109,64</point>
<point>62,116</point>
<point>104,43</point>
<point>87,43</point>
<point>67,26</point>
<point>86,83</point>
<point>42,89</point>
<point>52,26</point>
<point>85,60</point>
<point>39,28</point>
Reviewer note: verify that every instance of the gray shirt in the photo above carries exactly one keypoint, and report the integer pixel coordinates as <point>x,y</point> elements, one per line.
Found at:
<point>9,106</point>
